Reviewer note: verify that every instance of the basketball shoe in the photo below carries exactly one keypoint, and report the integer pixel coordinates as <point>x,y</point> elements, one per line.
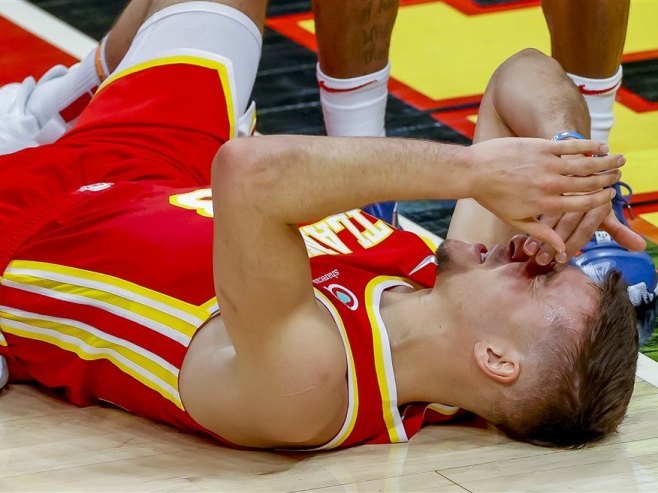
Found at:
<point>602,254</point>
<point>388,211</point>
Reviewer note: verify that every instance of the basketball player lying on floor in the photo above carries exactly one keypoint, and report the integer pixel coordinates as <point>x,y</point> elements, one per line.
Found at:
<point>112,273</point>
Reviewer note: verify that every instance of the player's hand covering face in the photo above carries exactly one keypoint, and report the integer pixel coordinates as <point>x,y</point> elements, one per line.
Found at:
<point>519,179</point>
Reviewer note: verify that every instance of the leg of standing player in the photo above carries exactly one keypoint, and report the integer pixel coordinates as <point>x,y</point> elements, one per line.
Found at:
<point>587,38</point>
<point>353,70</point>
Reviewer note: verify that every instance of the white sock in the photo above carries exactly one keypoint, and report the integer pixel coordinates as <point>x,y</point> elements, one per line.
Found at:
<point>66,96</point>
<point>101,62</point>
<point>599,95</point>
<point>354,107</point>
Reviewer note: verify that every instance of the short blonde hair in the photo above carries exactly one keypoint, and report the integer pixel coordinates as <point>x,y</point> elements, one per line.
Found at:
<point>587,384</point>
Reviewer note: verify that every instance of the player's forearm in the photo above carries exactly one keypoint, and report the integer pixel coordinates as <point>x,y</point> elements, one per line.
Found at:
<point>290,180</point>
<point>303,178</point>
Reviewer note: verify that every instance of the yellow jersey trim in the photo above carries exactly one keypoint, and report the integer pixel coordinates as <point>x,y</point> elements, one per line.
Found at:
<point>352,382</point>
<point>169,316</point>
<point>90,343</point>
<point>443,409</point>
<point>383,357</point>
<point>431,244</point>
<point>211,306</point>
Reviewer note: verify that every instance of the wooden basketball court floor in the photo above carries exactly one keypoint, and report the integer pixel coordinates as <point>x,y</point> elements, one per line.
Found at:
<point>443,51</point>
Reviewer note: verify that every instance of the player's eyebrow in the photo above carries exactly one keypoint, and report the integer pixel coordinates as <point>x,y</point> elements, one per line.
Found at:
<point>551,274</point>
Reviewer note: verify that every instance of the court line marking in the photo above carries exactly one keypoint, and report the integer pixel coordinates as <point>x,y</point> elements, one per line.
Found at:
<point>77,44</point>
<point>647,369</point>
<point>47,27</point>
<point>408,225</point>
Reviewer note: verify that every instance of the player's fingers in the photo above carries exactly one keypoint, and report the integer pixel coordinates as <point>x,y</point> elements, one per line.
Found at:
<point>541,233</point>
<point>579,184</point>
<point>517,251</point>
<point>586,166</point>
<point>579,203</point>
<point>622,234</point>
<point>531,245</point>
<point>565,147</point>
<point>565,227</point>
<point>585,230</point>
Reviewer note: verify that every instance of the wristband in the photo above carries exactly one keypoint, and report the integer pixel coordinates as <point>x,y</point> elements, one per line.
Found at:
<point>568,135</point>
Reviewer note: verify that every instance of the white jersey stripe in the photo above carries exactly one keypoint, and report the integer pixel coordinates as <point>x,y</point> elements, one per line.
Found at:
<point>352,383</point>
<point>93,331</point>
<point>126,294</point>
<point>383,356</point>
<point>109,354</point>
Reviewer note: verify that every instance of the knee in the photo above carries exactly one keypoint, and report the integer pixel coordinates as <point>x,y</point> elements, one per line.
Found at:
<point>156,6</point>
<point>533,58</point>
<point>525,61</point>
<point>529,53</point>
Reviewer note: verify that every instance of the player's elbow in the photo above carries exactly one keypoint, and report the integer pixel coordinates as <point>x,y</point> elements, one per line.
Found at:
<point>231,164</point>
<point>248,167</point>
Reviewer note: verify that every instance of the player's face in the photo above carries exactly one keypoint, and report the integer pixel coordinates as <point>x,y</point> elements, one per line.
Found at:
<point>504,289</point>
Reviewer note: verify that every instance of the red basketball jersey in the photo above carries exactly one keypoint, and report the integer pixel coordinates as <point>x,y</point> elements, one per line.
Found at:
<point>103,302</point>
<point>354,259</point>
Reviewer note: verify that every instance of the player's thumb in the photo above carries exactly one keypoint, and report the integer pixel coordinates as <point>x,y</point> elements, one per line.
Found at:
<point>622,234</point>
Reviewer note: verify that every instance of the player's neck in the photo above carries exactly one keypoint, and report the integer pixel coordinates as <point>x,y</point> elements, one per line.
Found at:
<point>431,359</point>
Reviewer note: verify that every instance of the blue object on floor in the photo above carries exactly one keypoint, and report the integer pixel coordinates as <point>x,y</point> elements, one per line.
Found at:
<point>388,211</point>
<point>602,254</point>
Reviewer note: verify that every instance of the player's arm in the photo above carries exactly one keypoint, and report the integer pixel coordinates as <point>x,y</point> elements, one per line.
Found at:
<point>288,353</point>
<point>264,186</point>
<point>515,178</point>
<point>530,95</point>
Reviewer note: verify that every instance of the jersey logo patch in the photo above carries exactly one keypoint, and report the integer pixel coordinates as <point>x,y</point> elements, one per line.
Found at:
<point>429,260</point>
<point>95,187</point>
<point>344,295</point>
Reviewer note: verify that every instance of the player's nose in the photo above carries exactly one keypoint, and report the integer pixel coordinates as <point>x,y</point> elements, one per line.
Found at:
<point>515,250</point>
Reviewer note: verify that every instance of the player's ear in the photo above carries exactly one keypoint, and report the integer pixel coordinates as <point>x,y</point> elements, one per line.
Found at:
<point>497,361</point>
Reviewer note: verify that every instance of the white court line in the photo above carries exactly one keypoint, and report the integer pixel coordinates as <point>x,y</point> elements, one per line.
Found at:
<point>47,27</point>
<point>409,225</point>
<point>647,369</point>
<point>78,44</point>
